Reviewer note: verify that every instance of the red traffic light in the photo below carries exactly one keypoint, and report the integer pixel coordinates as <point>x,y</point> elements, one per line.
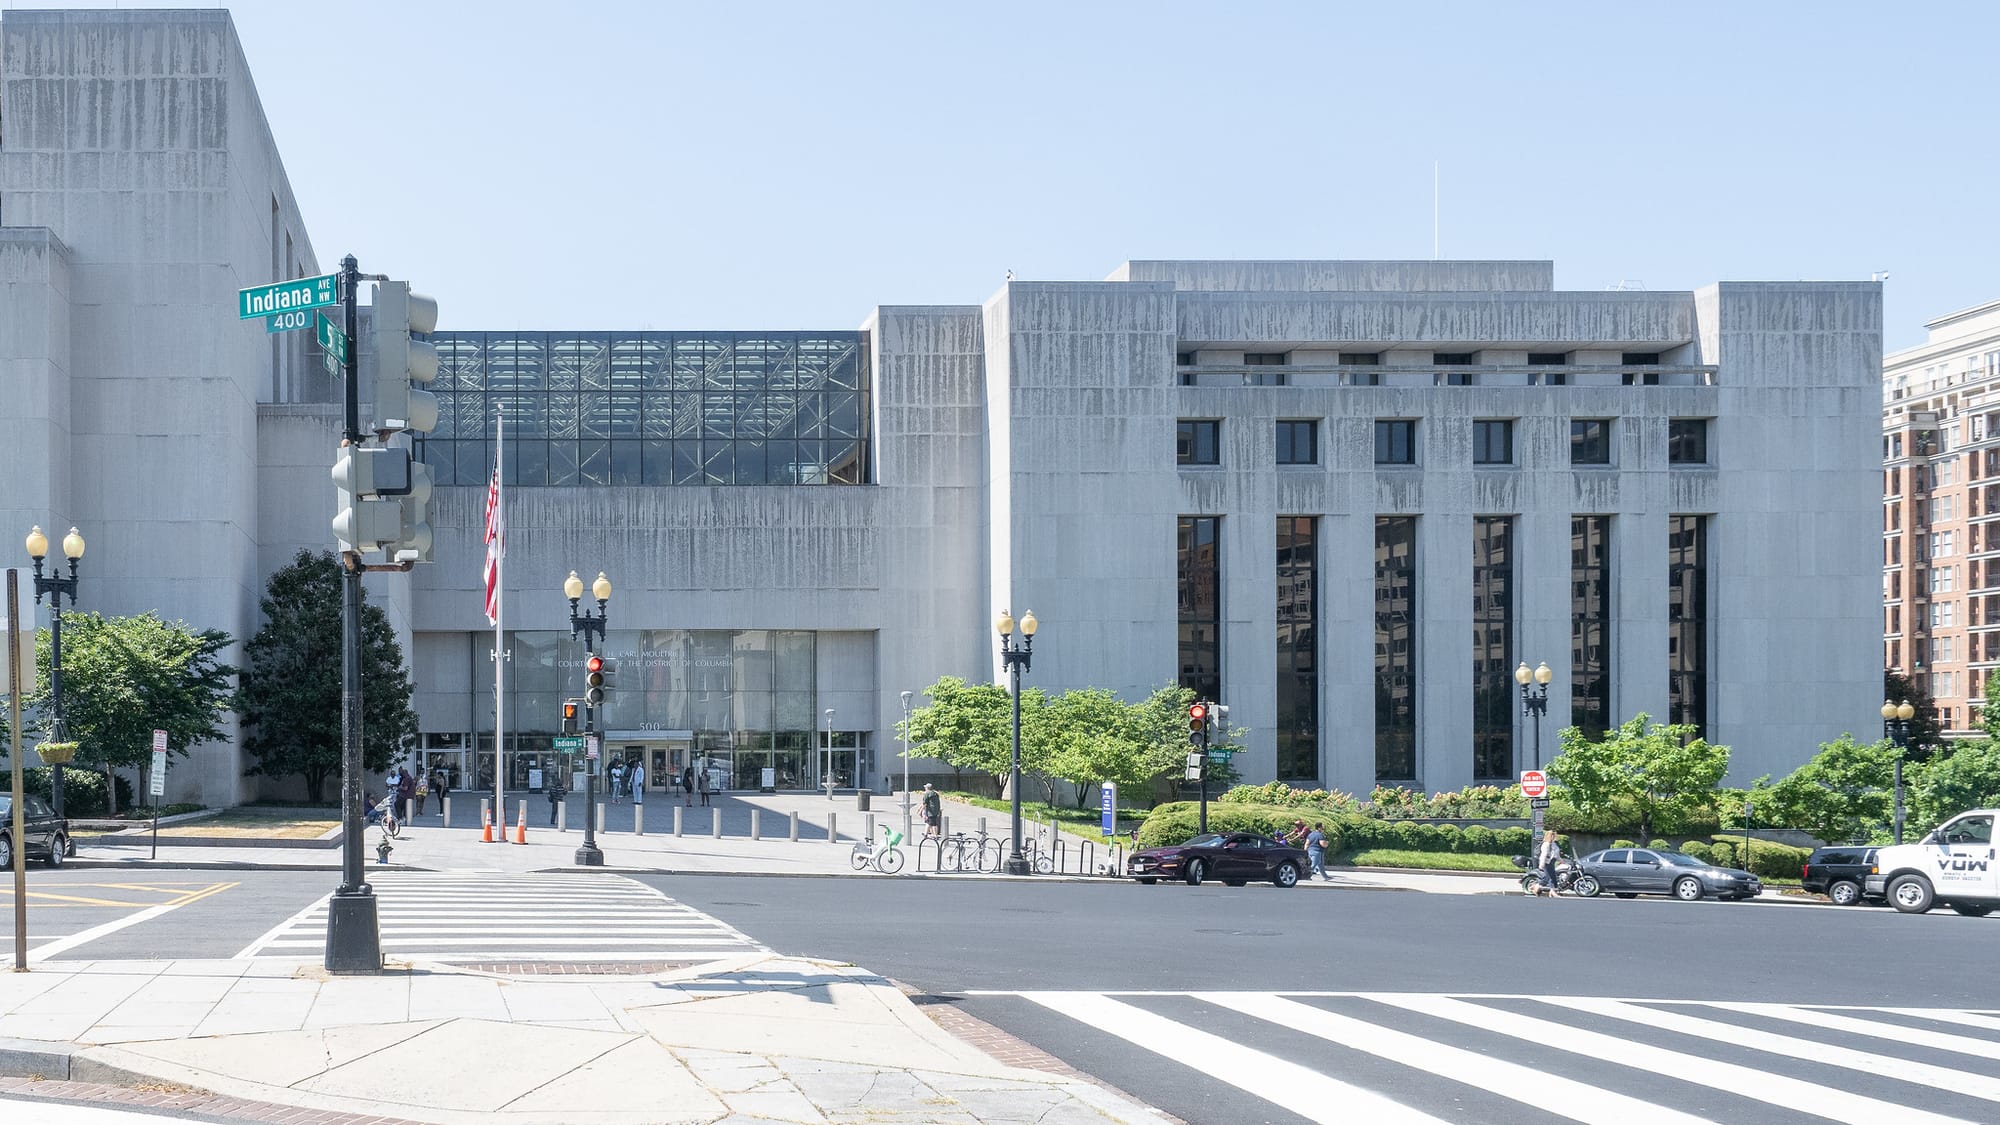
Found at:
<point>594,664</point>
<point>1197,711</point>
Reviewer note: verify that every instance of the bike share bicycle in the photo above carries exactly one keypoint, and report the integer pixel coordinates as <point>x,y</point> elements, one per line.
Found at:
<point>887,858</point>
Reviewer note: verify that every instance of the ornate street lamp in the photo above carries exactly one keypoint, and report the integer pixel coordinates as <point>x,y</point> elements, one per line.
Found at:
<point>56,587</point>
<point>1535,698</point>
<point>590,625</point>
<point>1896,726</point>
<point>1015,658</point>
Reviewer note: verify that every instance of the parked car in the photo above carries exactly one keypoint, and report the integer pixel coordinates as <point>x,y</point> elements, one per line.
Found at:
<point>1627,872</point>
<point>1234,857</point>
<point>1838,873</point>
<point>1953,865</point>
<point>47,834</point>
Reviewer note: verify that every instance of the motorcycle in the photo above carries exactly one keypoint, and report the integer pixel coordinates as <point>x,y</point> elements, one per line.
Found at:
<point>1570,877</point>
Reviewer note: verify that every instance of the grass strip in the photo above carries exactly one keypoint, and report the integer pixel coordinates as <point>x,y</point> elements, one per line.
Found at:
<point>1428,861</point>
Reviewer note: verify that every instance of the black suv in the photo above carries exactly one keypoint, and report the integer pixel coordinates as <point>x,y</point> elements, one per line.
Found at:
<point>47,834</point>
<point>1838,872</point>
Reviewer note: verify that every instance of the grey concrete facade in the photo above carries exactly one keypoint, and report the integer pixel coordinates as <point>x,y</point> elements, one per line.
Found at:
<point>1023,454</point>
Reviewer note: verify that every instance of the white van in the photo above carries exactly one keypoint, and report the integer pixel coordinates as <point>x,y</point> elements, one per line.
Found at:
<point>1953,865</point>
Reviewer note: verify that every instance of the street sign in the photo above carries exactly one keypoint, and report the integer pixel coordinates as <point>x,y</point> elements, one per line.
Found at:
<point>156,784</point>
<point>1534,783</point>
<point>333,340</point>
<point>303,293</point>
<point>1108,807</point>
<point>569,744</point>
<point>1220,757</point>
<point>1538,803</point>
<point>590,745</point>
<point>288,321</point>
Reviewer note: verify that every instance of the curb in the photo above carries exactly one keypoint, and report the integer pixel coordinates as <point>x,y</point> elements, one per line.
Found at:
<point>62,1062</point>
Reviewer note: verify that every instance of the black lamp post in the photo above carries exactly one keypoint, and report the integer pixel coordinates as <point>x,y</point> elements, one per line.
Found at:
<point>590,625</point>
<point>1896,726</point>
<point>1535,698</point>
<point>56,587</point>
<point>1014,658</point>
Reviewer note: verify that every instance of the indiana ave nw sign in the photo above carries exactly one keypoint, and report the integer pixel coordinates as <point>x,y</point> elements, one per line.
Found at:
<point>302,293</point>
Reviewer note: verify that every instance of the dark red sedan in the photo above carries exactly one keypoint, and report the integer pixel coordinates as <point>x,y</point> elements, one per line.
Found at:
<point>1235,858</point>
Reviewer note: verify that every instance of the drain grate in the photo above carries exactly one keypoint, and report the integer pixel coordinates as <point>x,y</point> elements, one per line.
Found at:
<point>577,968</point>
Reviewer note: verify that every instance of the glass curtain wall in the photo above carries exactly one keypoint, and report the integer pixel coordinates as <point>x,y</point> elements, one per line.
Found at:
<point>1687,622</point>
<point>1395,648</point>
<point>1493,648</point>
<point>1590,625</point>
<point>1200,571</point>
<point>1298,638</point>
<point>652,408</point>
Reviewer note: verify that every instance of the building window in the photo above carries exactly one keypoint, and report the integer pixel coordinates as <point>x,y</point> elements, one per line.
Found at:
<point>1395,441</point>
<point>1687,622</point>
<point>1492,648</point>
<point>1395,648</point>
<point>1298,442</point>
<point>1298,633</point>
<point>1360,359</point>
<point>1200,567</point>
<point>1641,359</point>
<point>1493,441</point>
<point>1184,359</point>
<point>1456,359</point>
<point>1198,441</point>
<point>1590,441</point>
<point>1590,624</point>
<point>1687,441</point>
<point>1548,359</point>
<point>1263,359</point>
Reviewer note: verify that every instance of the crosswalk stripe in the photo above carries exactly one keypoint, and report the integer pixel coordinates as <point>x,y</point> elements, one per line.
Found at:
<point>1304,1091</point>
<point>1863,1062</point>
<point>1967,1019</point>
<point>1914,1036</point>
<point>1565,1097</point>
<point>1743,1081</point>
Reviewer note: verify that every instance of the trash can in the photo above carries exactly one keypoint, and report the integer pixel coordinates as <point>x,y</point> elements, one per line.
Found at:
<point>861,800</point>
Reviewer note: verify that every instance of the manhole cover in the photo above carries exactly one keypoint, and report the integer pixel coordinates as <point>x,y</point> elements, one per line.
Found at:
<point>576,968</point>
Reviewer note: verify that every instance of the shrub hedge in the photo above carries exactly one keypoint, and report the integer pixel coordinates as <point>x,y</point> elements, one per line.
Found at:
<point>83,790</point>
<point>1345,832</point>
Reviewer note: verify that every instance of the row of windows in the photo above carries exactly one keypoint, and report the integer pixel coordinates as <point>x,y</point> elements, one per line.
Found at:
<point>1198,441</point>
<point>1442,359</point>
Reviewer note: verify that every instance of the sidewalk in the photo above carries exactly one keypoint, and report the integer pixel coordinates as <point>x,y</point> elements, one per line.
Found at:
<point>758,1039</point>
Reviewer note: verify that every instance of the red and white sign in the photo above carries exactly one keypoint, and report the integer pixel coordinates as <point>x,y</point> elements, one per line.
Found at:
<point>1534,783</point>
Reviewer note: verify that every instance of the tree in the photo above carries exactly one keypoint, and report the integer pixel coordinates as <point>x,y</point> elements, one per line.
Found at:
<point>291,682</point>
<point>1945,787</point>
<point>126,677</point>
<point>1160,729</point>
<point>1663,772</point>
<point>1926,733</point>
<point>1841,794</point>
<point>1089,741</point>
<point>969,726</point>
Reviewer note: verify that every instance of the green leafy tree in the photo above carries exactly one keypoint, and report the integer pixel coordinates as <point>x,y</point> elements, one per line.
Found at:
<point>1160,728</point>
<point>1664,772</point>
<point>1090,741</point>
<point>1926,733</point>
<point>126,677</point>
<point>290,695</point>
<point>968,726</point>
<point>1968,779</point>
<point>1842,793</point>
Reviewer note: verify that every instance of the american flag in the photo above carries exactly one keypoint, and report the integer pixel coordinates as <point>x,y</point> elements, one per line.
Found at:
<point>496,546</point>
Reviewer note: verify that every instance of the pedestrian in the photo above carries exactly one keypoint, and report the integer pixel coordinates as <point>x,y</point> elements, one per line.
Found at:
<point>1316,853</point>
<point>406,789</point>
<point>1551,849</point>
<point>1297,836</point>
<point>701,782</point>
<point>687,785</point>
<point>423,790</point>
<point>933,811</point>
<point>557,791</point>
<point>636,778</point>
<point>617,780</point>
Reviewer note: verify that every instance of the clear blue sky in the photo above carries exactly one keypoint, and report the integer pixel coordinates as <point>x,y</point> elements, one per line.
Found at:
<point>743,165</point>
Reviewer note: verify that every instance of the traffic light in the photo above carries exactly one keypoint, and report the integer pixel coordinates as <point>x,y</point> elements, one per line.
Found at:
<point>1198,724</point>
<point>596,679</point>
<point>401,359</point>
<point>1218,720</point>
<point>569,716</point>
<point>413,543</point>
<point>365,481</point>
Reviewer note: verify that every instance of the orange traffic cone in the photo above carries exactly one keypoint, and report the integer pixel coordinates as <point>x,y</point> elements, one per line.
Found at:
<point>521,828</point>
<point>488,837</point>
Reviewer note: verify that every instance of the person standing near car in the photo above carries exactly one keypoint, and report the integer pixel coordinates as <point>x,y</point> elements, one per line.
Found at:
<point>1551,851</point>
<point>1316,853</point>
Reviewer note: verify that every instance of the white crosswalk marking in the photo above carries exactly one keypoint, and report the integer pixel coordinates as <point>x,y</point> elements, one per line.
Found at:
<point>437,916</point>
<point>1848,1064</point>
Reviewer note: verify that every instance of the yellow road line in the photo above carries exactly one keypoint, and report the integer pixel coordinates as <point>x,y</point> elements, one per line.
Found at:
<point>197,896</point>
<point>181,898</point>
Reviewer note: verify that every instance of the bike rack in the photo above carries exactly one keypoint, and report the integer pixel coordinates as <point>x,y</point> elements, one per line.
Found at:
<point>936,844</point>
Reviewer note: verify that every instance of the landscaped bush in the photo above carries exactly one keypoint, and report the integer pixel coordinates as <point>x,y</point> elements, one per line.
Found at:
<point>1623,844</point>
<point>1517,841</point>
<point>1700,850</point>
<point>1177,822</point>
<point>1660,846</point>
<point>1723,853</point>
<point>1478,840</point>
<point>83,790</point>
<point>1776,861</point>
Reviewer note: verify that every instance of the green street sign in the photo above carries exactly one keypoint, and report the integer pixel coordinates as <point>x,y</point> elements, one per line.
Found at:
<point>333,340</point>
<point>1220,757</point>
<point>569,744</point>
<point>285,296</point>
<point>287,321</point>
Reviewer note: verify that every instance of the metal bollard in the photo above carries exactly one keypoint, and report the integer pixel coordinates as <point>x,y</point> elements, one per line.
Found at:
<point>410,811</point>
<point>600,816</point>
<point>638,820</point>
<point>982,826</point>
<point>447,810</point>
<point>677,820</point>
<point>756,824</point>
<point>795,828</point>
<point>868,827</point>
<point>562,816</point>
<point>715,822</point>
<point>832,833</point>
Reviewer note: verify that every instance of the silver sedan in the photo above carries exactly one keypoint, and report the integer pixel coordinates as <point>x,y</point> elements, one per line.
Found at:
<point>1627,872</point>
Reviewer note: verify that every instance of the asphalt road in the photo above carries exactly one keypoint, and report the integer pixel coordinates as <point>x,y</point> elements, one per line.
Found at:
<point>89,915</point>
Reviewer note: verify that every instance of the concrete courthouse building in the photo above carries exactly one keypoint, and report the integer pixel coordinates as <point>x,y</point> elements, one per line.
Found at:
<point>1345,498</point>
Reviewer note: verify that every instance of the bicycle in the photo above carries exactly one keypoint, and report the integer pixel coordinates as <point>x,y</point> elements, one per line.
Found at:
<point>384,815</point>
<point>888,858</point>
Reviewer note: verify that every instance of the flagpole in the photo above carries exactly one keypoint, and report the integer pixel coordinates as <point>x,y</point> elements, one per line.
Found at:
<point>499,617</point>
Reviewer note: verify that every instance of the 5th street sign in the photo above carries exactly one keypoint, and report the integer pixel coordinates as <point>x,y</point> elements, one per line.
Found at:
<point>285,296</point>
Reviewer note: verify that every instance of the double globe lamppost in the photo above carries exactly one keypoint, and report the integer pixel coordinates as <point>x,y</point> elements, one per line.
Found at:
<point>1535,698</point>
<point>590,625</point>
<point>57,752</point>
<point>1015,658</point>
<point>1896,725</point>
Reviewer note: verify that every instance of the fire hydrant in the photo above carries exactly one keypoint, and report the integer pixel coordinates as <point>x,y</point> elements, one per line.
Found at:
<point>382,849</point>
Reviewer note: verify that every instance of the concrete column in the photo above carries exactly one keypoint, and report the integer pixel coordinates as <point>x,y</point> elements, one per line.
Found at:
<point>795,828</point>
<point>756,824</point>
<point>562,816</point>
<point>638,820</point>
<point>868,827</point>
<point>832,833</point>
<point>982,826</point>
<point>447,811</point>
<point>600,816</point>
<point>677,819</point>
<point>715,822</point>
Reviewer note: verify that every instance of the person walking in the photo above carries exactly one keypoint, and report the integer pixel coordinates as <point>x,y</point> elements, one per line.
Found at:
<point>933,811</point>
<point>636,778</point>
<point>1316,853</point>
<point>617,780</point>
<point>701,782</point>
<point>423,790</point>
<point>557,791</point>
<point>687,785</point>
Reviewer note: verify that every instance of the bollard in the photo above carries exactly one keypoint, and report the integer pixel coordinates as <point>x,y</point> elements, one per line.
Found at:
<point>600,817</point>
<point>410,811</point>
<point>638,820</point>
<point>832,833</point>
<point>447,810</point>
<point>756,824</point>
<point>677,820</point>
<point>868,827</point>
<point>982,826</point>
<point>562,816</point>
<point>715,821</point>
<point>795,828</point>
<point>1089,854</point>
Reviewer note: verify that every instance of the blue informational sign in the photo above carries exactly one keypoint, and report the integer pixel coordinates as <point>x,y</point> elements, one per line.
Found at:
<point>1110,808</point>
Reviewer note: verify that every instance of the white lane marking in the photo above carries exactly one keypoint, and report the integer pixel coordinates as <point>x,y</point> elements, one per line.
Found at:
<point>1565,1097</point>
<point>1743,1081</point>
<point>1303,1091</point>
<point>65,944</point>
<point>1913,1036</point>
<point>271,934</point>
<point>1862,1062</point>
<point>1946,1015</point>
<point>552,943</point>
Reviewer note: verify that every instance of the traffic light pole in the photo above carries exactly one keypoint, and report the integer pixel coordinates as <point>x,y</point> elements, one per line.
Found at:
<point>589,854</point>
<point>1204,776</point>
<point>353,930</point>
